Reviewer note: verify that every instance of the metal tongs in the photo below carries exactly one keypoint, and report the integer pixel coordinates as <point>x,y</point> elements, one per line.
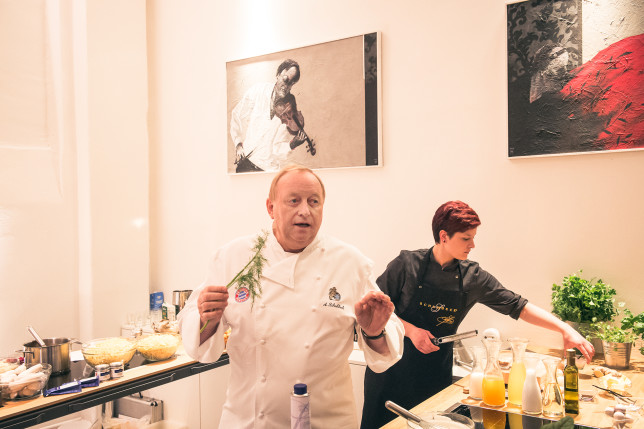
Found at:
<point>451,338</point>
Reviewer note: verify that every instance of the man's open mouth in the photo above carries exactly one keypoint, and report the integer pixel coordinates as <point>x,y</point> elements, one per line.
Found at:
<point>303,225</point>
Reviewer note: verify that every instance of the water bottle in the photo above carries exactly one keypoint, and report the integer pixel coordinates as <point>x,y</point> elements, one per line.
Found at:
<point>300,411</point>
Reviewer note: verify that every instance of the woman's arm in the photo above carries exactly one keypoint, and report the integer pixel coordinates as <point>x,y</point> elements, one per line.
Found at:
<point>571,338</point>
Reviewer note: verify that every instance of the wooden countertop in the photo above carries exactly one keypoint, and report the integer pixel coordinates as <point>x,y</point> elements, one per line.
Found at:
<point>135,379</point>
<point>590,413</point>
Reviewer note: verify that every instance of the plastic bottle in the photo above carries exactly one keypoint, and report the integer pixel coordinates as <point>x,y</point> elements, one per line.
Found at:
<point>571,383</point>
<point>300,411</point>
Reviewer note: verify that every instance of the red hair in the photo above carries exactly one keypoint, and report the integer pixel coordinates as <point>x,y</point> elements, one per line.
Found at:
<point>453,217</point>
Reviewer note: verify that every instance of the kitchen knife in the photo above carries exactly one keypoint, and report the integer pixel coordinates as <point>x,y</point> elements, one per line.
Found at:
<point>450,338</point>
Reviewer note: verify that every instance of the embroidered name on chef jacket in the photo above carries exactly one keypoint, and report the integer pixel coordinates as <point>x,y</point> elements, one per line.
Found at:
<point>334,295</point>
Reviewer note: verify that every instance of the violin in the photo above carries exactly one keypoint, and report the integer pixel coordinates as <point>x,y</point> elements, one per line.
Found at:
<point>286,110</point>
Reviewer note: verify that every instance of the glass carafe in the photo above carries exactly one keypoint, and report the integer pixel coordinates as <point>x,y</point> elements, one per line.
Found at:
<point>493,385</point>
<point>517,372</point>
<point>553,403</point>
<point>476,377</point>
<point>531,395</point>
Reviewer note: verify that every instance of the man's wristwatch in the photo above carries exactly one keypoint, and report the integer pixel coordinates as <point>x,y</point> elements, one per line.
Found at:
<point>373,337</point>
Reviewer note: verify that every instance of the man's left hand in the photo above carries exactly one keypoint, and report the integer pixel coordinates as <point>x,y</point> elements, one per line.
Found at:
<point>373,312</point>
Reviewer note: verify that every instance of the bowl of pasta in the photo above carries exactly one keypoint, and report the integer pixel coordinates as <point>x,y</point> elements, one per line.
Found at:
<point>158,346</point>
<point>108,350</point>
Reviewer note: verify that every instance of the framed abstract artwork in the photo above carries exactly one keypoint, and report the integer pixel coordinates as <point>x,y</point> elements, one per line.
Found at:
<point>317,106</point>
<point>568,90</point>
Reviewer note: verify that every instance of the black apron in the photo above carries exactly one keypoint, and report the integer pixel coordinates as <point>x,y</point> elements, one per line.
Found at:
<point>417,376</point>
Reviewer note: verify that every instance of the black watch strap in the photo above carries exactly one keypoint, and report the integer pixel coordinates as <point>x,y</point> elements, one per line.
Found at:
<point>374,337</point>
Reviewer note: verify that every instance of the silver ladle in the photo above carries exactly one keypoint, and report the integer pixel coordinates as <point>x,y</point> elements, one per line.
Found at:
<point>33,332</point>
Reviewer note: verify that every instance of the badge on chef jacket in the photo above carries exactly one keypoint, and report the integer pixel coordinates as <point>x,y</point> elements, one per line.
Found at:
<point>242,294</point>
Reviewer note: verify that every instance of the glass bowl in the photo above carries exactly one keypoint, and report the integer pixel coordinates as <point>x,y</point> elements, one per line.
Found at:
<point>25,381</point>
<point>108,350</point>
<point>157,347</point>
<point>8,364</point>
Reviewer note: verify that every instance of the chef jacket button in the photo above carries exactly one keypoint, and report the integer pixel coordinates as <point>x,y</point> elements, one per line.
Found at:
<point>318,277</point>
<point>263,379</point>
<point>261,415</point>
<point>307,345</point>
<point>262,305</point>
<point>262,342</point>
<point>313,308</point>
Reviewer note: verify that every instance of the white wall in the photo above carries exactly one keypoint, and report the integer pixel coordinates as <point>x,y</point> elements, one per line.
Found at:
<point>74,261</point>
<point>444,134</point>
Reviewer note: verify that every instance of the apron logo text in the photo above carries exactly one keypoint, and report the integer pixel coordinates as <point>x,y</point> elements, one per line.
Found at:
<point>435,308</point>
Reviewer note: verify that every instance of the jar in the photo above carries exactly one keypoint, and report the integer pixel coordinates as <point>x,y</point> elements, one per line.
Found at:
<point>103,372</point>
<point>116,369</point>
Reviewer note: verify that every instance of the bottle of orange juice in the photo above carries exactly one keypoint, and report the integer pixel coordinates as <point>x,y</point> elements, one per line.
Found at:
<point>493,385</point>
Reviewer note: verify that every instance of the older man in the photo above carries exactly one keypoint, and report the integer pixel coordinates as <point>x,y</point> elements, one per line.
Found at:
<point>314,291</point>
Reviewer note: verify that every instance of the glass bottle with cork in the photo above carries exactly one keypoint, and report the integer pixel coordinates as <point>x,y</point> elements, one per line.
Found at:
<point>571,383</point>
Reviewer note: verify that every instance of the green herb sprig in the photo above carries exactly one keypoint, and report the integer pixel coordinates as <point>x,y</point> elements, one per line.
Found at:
<point>250,275</point>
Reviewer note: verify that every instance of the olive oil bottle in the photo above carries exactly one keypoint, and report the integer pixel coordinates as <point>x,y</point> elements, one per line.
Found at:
<point>571,383</point>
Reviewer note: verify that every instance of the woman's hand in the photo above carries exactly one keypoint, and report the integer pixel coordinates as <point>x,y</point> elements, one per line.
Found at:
<point>421,338</point>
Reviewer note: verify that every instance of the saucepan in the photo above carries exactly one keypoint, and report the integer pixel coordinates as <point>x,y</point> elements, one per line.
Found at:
<point>434,420</point>
<point>54,351</point>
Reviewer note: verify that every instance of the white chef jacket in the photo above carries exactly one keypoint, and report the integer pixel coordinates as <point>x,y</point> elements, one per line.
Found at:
<point>299,331</point>
<point>266,139</point>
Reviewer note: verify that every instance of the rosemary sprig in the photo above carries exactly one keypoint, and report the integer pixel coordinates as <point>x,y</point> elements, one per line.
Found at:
<point>251,273</point>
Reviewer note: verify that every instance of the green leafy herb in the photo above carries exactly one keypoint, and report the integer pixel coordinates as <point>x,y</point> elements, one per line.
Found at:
<point>250,275</point>
<point>636,323</point>
<point>583,301</point>
<point>614,333</point>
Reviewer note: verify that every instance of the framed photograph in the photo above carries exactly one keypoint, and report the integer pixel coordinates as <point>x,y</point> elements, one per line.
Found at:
<point>317,106</point>
<point>569,91</point>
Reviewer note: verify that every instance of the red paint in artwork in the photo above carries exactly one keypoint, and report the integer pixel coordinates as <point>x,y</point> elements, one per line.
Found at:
<point>611,86</point>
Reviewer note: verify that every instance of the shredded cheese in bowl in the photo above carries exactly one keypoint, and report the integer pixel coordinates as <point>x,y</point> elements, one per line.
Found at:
<point>108,350</point>
<point>158,347</point>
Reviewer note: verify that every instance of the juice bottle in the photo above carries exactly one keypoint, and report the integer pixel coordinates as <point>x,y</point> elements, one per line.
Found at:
<point>516,378</point>
<point>493,385</point>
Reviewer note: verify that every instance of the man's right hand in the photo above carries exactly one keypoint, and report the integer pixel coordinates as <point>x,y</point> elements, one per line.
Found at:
<point>211,304</point>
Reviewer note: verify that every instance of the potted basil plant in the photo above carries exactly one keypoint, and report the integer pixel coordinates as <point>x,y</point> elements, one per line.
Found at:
<point>581,302</point>
<point>617,339</point>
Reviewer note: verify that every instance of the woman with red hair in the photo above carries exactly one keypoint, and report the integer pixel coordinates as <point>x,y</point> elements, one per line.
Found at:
<point>433,290</point>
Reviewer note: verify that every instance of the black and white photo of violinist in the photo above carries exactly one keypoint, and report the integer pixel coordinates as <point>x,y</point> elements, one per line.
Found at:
<point>316,106</point>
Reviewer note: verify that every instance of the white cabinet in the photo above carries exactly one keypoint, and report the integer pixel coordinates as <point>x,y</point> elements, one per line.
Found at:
<point>213,385</point>
<point>196,401</point>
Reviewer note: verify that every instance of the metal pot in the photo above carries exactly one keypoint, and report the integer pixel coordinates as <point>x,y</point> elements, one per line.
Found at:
<point>55,353</point>
<point>617,355</point>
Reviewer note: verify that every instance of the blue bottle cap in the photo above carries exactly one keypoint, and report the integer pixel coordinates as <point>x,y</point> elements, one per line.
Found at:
<point>299,389</point>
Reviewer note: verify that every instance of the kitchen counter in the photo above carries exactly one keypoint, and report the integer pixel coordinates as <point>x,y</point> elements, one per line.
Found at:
<point>21,414</point>
<point>590,413</point>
